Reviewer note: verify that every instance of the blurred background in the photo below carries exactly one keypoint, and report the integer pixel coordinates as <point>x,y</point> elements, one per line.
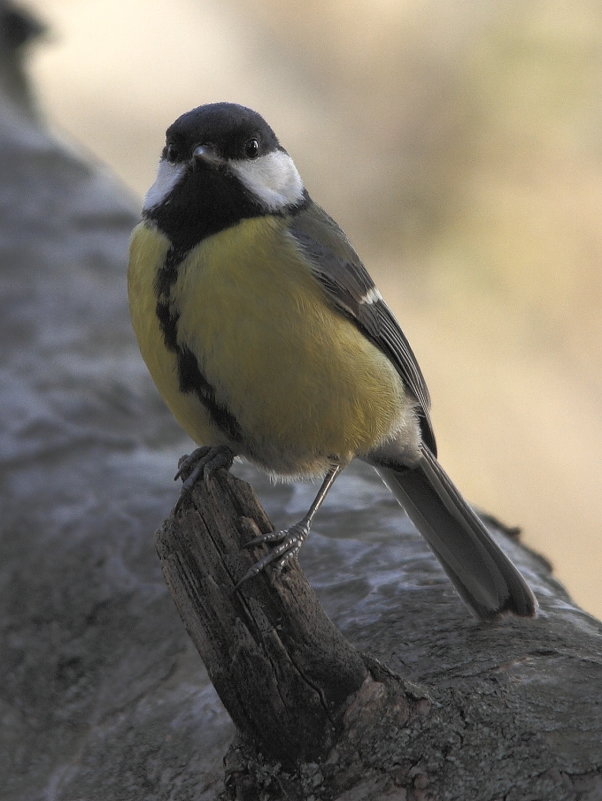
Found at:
<point>458,143</point>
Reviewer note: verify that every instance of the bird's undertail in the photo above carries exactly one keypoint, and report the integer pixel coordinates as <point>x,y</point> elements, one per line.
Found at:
<point>480,571</point>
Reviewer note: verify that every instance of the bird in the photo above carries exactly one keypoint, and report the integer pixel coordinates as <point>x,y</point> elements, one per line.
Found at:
<point>269,341</point>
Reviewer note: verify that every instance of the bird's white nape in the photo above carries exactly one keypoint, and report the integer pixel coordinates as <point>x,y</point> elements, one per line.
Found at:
<point>273,179</point>
<point>168,175</point>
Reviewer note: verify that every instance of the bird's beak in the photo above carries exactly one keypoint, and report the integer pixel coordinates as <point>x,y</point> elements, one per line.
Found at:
<point>206,154</point>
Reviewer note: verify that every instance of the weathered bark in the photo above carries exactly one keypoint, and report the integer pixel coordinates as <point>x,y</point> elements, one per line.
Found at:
<point>280,666</point>
<point>345,726</point>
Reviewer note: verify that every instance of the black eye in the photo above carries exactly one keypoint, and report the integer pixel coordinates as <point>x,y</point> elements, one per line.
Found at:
<point>252,148</point>
<point>171,153</point>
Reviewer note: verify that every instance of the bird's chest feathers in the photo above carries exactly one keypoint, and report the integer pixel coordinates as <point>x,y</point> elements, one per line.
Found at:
<point>300,380</point>
<point>243,298</point>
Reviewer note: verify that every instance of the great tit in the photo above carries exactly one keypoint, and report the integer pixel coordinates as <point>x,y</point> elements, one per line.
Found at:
<point>268,340</point>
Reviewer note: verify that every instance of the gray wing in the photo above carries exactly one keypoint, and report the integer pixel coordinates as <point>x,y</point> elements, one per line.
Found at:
<point>350,288</point>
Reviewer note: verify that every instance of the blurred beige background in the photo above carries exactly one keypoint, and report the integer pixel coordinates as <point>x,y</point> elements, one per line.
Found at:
<point>459,144</point>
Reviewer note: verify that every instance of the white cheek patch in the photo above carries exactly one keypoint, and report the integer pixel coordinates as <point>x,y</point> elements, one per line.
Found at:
<point>273,179</point>
<point>168,176</point>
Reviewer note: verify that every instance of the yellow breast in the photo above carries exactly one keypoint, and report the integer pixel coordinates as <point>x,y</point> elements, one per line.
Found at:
<point>305,386</point>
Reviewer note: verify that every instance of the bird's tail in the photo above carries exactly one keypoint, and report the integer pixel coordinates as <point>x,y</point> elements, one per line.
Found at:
<point>482,574</point>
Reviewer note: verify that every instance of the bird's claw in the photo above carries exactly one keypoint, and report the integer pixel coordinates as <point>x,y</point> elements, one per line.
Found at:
<point>289,544</point>
<point>199,463</point>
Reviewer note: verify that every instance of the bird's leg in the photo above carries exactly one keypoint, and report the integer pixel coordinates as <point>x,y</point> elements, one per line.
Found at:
<point>200,462</point>
<point>290,539</point>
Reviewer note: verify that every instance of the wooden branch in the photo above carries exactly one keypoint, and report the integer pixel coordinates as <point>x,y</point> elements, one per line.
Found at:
<point>490,724</point>
<point>281,668</point>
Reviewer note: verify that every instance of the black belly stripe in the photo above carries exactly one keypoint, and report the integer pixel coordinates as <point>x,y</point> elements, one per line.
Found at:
<point>164,281</point>
<point>193,380</point>
<point>189,373</point>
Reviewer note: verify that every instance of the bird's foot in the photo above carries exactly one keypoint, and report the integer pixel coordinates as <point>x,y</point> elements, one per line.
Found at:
<point>289,542</point>
<point>200,463</point>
